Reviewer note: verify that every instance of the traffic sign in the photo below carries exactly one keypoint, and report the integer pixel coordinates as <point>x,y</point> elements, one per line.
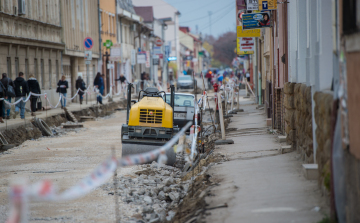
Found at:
<point>88,55</point>
<point>88,43</point>
<point>159,42</point>
<point>87,61</point>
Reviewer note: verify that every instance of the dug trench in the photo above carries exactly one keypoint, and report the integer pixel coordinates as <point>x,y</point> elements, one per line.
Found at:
<point>16,136</point>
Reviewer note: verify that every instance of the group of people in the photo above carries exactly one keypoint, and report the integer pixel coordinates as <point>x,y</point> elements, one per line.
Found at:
<point>20,88</point>
<point>17,89</point>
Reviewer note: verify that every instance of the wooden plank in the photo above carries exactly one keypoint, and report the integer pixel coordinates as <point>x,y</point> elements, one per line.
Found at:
<point>221,116</point>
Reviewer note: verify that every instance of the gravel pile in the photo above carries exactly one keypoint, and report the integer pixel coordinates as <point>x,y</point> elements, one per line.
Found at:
<point>60,131</point>
<point>154,192</point>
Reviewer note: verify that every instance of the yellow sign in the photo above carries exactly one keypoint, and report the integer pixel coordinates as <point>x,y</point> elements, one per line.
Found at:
<point>267,4</point>
<point>238,52</point>
<point>248,33</point>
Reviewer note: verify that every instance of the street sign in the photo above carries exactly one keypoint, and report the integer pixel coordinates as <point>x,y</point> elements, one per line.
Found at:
<point>108,44</point>
<point>88,43</point>
<point>267,4</point>
<point>248,33</point>
<point>157,50</point>
<point>133,57</point>
<point>167,51</point>
<point>115,52</point>
<point>141,58</point>
<point>87,62</point>
<point>159,42</point>
<point>252,5</point>
<point>110,66</point>
<point>147,64</point>
<point>156,60</point>
<point>256,20</point>
<point>88,55</point>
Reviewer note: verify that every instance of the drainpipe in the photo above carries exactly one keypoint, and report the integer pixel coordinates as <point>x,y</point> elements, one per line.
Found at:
<point>100,40</point>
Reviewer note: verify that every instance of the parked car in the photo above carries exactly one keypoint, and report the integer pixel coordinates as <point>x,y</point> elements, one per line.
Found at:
<point>185,82</point>
<point>184,109</point>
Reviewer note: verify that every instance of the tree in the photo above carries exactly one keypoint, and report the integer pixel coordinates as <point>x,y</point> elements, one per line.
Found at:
<point>224,48</point>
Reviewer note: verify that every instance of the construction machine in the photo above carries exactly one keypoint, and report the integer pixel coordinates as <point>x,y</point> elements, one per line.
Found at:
<point>149,122</point>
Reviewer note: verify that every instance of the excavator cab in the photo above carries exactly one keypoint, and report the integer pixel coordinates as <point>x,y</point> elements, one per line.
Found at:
<point>149,122</point>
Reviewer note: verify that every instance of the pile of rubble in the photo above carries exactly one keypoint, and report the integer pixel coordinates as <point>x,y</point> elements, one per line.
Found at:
<point>155,192</point>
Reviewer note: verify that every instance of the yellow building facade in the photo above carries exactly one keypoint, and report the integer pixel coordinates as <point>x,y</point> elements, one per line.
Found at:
<point>107,32</point>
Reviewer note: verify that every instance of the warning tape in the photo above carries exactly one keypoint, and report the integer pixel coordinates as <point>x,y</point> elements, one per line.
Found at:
<point>45,190</point>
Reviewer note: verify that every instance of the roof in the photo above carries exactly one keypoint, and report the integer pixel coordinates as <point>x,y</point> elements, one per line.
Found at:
<point>146,12</point>
<point>185,29</point>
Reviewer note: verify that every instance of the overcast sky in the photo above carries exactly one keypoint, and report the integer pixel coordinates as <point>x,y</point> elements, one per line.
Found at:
<point>196,12</point>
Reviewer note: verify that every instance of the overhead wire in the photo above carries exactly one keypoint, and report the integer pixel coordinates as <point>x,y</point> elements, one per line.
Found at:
<point>227,6</point>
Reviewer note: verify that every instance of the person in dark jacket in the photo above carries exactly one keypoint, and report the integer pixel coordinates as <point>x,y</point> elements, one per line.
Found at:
<point>63,86</point>
<point>21,90</point>
<point>34,87</point>
<point>6,81</point>
<point>80,84</point>
<point>99,84</point>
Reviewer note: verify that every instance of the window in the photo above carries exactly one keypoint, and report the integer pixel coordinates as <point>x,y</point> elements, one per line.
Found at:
<point>50,74</point>
<point>57,70</point>
<point>16,66</point>
<point>101,19</point>
<point>181,100</point>
<point>114,24</point>
<point>349,17</point>
<point>26,69</point>
<point>42,73</point>
<point>9,66</point>
<point>36,71</point>
<point>109,25</point>
<point>93,77</point>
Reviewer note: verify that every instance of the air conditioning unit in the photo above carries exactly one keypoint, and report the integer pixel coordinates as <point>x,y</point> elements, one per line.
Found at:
<point>133,27</point>
<point>21,6</point>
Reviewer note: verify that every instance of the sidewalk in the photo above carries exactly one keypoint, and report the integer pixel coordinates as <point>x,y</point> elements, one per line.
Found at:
<point>258,183</point>
<point>14,123</point>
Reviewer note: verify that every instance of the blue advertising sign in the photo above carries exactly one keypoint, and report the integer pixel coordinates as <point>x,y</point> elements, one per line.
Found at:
<point>256,20</point>
<point>172,58</point>
<point>167,51</point>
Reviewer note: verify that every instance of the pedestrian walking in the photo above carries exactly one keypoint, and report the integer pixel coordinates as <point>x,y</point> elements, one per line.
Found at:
<point>80,84</point>
<point>208,76</point>
<point>248,75</point>
<point>34,87</point>
<point>21,90</point>
<point>2,103</point>
<point>62,90</point>
<point>6,81</point>
<point>142,78</point>
<point>99,84</point>
<point>122,80</point>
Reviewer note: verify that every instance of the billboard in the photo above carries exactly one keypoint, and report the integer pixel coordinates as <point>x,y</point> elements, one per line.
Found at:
<point>252,4</point>
<point>256,20</point>
<point>267,4</point>
<point>239,51</point>
<point>247,33</point>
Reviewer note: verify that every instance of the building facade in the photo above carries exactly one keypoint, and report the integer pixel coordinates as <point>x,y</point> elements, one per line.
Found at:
<point>79,19</point>
<point>108,26</point>
<point>30,41</point>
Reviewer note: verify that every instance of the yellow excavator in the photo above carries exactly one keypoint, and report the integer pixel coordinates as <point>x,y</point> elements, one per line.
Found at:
<point>149,122</point>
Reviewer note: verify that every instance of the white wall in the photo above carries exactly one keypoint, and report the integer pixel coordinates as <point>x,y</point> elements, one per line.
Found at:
<point>292,41</point>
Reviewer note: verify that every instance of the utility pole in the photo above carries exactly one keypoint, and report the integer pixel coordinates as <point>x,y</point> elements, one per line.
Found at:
<point>210,13</point>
